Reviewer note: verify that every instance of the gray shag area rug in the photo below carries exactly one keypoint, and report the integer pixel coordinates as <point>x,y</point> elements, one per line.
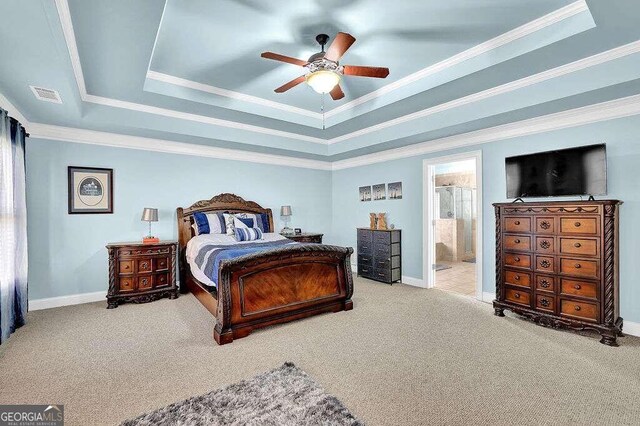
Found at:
<point>283,396</point>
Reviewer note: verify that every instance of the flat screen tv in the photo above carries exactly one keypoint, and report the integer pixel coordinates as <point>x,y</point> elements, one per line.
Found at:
<point>574,171</point>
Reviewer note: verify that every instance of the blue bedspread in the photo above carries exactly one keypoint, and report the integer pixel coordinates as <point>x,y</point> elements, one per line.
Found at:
<point>209,256</point>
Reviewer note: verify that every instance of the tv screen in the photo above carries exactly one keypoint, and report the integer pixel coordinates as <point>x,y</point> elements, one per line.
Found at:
<point>574,171</point>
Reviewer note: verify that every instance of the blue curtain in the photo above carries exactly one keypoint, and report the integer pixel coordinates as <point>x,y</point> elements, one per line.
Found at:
<point>13,227</point>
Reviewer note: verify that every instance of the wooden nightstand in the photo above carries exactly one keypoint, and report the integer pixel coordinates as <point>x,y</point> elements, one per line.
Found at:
<point>306,237</point>
<point>141,273</point>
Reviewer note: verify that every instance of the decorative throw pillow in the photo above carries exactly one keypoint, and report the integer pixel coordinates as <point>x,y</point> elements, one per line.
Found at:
<point>248,234</point>
<point>209,223</point>
<point>229,223</point>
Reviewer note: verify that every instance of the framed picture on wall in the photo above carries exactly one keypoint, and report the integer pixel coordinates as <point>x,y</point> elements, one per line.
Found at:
<point>365,193</point>
<point>395,190</point>
<point>380,192</point>
<point>90,190</point>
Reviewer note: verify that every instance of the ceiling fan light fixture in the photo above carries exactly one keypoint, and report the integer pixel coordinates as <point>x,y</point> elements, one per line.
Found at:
<point>323,81</point>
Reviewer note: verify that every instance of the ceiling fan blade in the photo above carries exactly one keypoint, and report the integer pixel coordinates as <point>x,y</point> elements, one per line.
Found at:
<point>377,72</point>
<point>282,58</point>
<point>289,85</point>
<point>340,44</point>
<point>337,93</point>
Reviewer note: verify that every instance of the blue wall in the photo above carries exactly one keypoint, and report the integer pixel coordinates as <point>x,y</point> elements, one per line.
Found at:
<point>67,253</point>
<point>623,149</point>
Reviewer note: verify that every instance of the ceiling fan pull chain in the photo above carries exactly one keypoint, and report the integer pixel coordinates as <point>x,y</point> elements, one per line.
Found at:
<point>322,110</point>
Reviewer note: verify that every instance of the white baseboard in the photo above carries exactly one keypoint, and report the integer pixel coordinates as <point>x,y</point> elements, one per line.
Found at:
<point>72,299</point>
<point>488,296</point>
<point>631,328</point>
<point>416,282</point>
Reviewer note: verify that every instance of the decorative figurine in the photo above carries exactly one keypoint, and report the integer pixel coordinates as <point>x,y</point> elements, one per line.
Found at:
<point>373,220</point>
<point>382,221</point>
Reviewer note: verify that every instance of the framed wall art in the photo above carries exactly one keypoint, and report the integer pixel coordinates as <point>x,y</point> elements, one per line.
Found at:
<point>380,192</point>
<point>90,190</point>
<point>365,193</point>
<point>395,190</point>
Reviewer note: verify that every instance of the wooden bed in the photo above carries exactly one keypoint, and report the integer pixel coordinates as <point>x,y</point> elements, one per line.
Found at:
<point>271,287</point>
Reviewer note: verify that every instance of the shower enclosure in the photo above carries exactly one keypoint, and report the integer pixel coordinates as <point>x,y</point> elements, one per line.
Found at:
<point>455,224</point>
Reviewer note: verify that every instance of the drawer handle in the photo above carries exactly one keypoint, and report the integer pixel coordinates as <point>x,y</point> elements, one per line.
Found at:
<point>577,224</point>
<point>578,266</point>
<point>380,275</point>
<point>545,264</point>
<point>577,245</point>
<point>126,267</point>
<point>517,241</point>
<point>577,286</point>
<point>517,259</point>
<point>144,264</point>
<point>516,295</point>
<point>517,277</point>
<point>577,308</point>
<point>545,225</point>
<point>544,302</point>
<point>517,222</point>
<point>545,244</point>
<point>544,283</point>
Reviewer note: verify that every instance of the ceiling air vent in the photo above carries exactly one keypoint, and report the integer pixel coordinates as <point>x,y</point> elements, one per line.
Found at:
<point>47,95</point>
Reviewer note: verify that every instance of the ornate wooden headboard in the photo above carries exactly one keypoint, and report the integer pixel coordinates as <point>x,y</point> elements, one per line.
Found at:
<point>225,202</point>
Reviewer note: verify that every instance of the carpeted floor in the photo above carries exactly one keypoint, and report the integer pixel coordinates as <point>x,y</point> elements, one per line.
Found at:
<point>404,355</point>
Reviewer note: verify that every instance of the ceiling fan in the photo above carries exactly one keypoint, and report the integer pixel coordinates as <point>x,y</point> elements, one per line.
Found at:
<point>324,68</point>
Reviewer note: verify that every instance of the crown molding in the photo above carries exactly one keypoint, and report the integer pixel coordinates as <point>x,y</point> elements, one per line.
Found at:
<point>554,17</point>
<point>92,137</point>
<point>69,35</point>
<point>13,111</point>
<point>618,108</point>
<point>581,64</point>
<point>194,85</point>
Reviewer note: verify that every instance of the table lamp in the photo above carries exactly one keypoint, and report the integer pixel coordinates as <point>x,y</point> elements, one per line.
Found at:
<point>285,212</point>
<point>150,215</point>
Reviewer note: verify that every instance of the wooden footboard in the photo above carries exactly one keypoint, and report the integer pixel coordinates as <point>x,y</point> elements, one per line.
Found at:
<point>282,285</point>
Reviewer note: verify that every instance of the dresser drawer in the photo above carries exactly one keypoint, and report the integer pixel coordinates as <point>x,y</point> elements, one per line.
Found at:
<point>545,302</point>
<point>365,260</point>
<point>365,270</point>
<point>144,282</point>
<point>545,264</point>
<point>579,225</point>
<point>517,224</point>
<point>382,274</point>
<point>578,309</point>
<point>126,284</point>
<point>161,280</point>
<point>545,244</point>
<point>579,267</point>
<point>365,235</point>
<point>516,278</point>
<point>519,297</point>
<point>584,289</point>
<point>381,237</point>
<point>545,225</point>
<point>125,267</point>
<point>161,264</point>
<point>365,247</point>
<point>545,283</point>
<point>580,246</point>
<point>150,251</point>
<point>144,265</point>
<point>517,243</point>
<point>518,260</point>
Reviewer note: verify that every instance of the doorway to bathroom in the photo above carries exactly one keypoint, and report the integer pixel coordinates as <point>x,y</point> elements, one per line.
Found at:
<point>453,226</point>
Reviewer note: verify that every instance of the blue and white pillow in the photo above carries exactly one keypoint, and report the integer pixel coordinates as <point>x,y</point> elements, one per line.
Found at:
<point>209,223</point>
<point>258,220</point>
<point>248,234</point>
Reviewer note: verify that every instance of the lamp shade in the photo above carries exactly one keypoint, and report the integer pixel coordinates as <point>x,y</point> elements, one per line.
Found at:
<point>285,211</point>
<point>150,215</point>
<point>323,81</point>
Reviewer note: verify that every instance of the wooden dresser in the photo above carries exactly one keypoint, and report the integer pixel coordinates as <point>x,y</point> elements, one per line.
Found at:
<point>379,254</point>
<point>306,237</point>
<point>141,272</point>
<point>557,264</point>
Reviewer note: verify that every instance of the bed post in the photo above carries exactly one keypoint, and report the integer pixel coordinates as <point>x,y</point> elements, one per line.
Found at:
<point>183,238</point>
